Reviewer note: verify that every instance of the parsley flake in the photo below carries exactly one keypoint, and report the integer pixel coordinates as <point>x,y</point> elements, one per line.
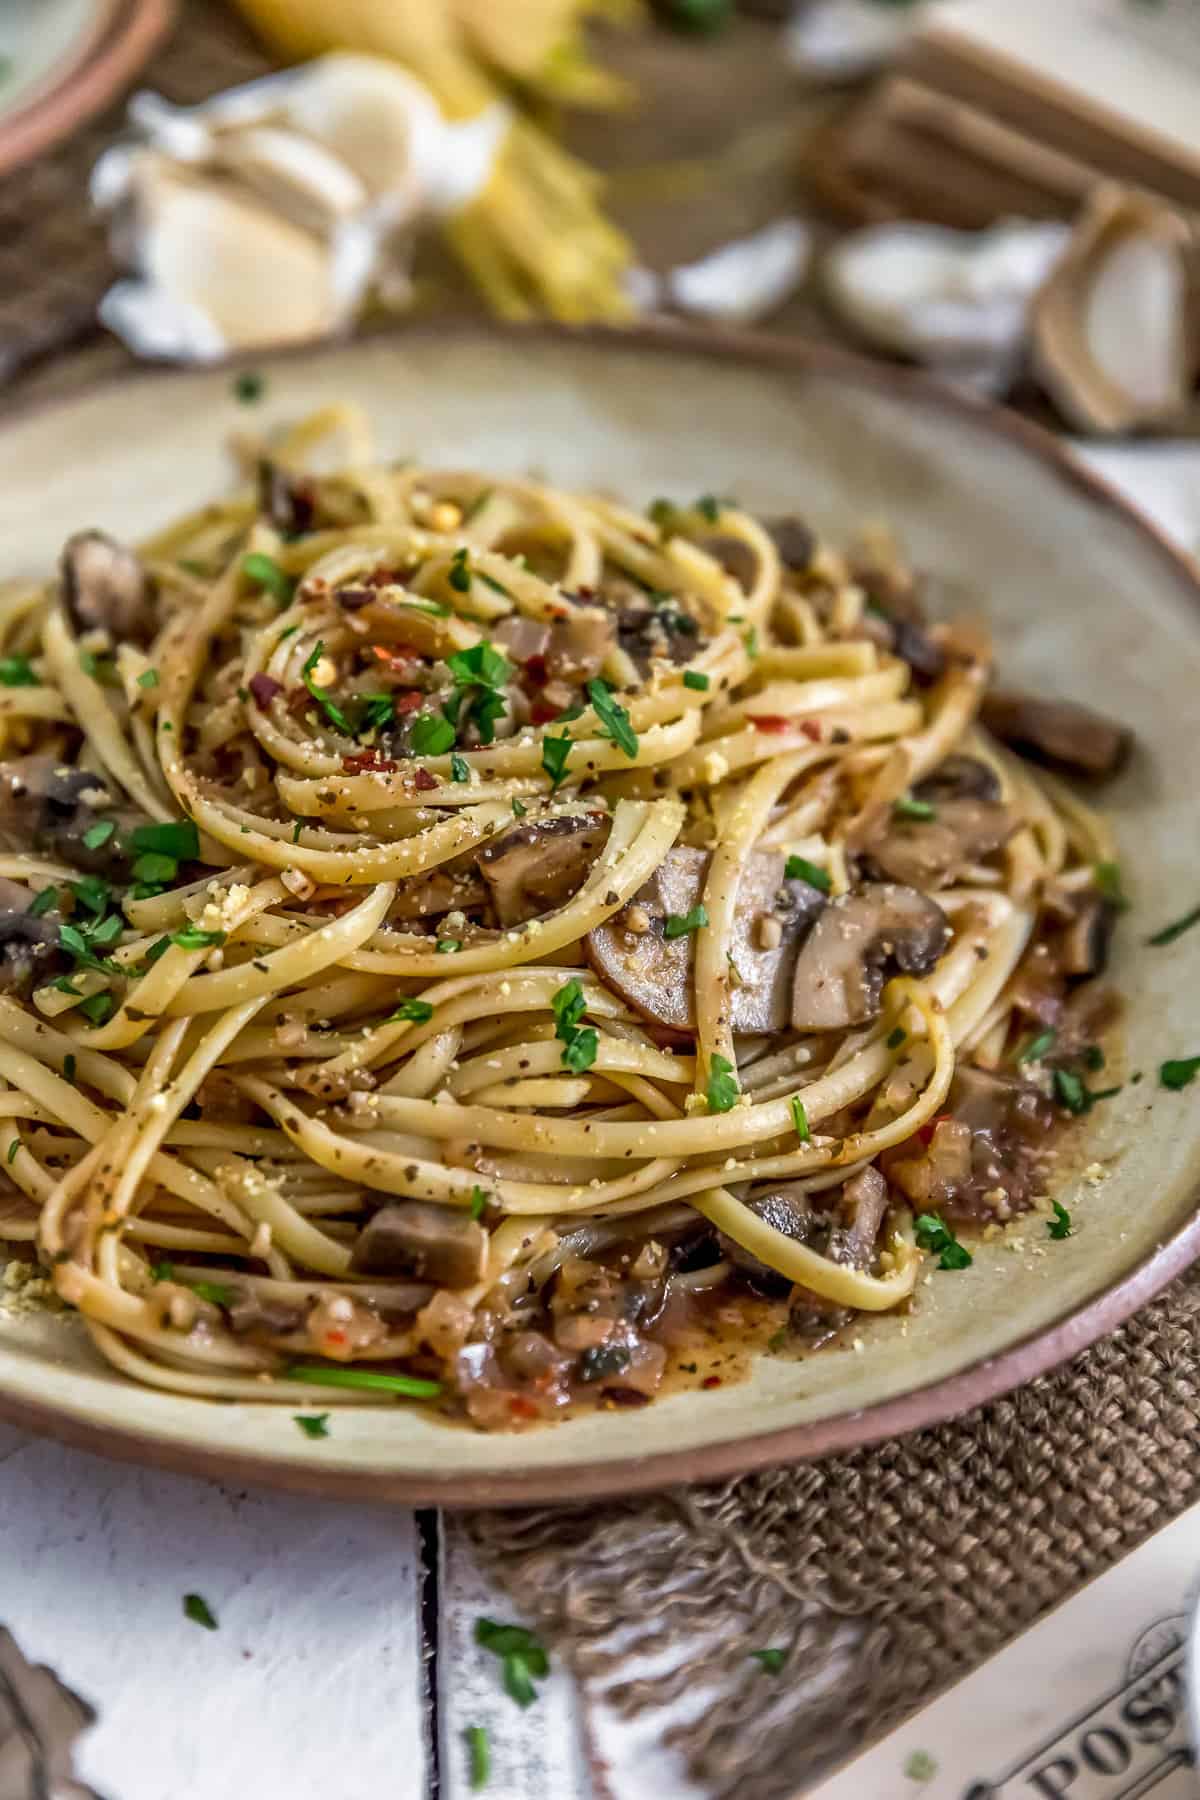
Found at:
<point>1180,1073</point>
<point>555,751</point>
<point>614,719</point>
<point>1169,933</point>
<point>934,1235</point>
<point>1036,1047</point>
<point>17,671</point>
<point>432,735</point>
<point>694,679</point>
<point>771,1661</point>
<point>522,1657</point>
<point>1060,1225</point>
<point>332,711</point>
<point>798,868</point>
<point>800,1119</point>
<point>908,808</point>
<point>148,678</point>
<point>683,924</point>
<point>460,768</point>
<point>478,1756</point>
<point>248,387</point>
<point>197,1609</point>
<point>1075,1096</point>
<point>266,573</point>
<point>1107,876</point>
<point>477,1203</point>
<point>723,1091</point>
<point>416,1012</point>
<point>313,1425</point>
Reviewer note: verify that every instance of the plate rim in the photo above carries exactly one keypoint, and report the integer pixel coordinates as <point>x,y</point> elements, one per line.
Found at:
<point>932,1403</point>
<point>117,44</point>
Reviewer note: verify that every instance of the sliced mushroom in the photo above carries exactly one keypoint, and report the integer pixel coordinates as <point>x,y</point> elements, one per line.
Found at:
<point>440,891</point>
<point>253,1314</point>
<point>288,501</point>
<point>787,1209</point>
<point>432,1243</point>
<point>1081,947</point>
<point>969,823</point>
<point>794,540</point>
<point>29,951</point>
<point>570,649</point>
<point>1060,732</point>
<point>984,1159</point>
<point>649,632</point>
<point>106,587</point>
<point>864,1202</point>
<point>654,972</point>
<point>540,865</point>
<point>46,807</point>
<point>859,941</point>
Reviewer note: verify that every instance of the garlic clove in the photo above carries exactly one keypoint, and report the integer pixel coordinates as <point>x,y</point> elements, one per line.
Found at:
<point>1114,336</point>
<point>292,174</point>
<point>201,250</point>
<point>370,114</point>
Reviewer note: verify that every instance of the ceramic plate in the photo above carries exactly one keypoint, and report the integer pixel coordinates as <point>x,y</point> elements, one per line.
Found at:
<point>63,60</point>
<point>1085,602</point>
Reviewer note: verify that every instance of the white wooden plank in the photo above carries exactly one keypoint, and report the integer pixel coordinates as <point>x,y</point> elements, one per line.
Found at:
<point>536,1752</point>
<point>309,1689</point>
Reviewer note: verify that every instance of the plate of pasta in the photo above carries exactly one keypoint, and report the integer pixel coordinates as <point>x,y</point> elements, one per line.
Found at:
<point>577,911</point>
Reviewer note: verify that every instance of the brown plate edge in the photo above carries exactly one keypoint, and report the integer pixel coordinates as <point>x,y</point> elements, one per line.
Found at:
<point>106,60</point>
<point>934,1404</point>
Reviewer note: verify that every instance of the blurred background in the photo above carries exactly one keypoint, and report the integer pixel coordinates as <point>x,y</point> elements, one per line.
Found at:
<point>996,189</point>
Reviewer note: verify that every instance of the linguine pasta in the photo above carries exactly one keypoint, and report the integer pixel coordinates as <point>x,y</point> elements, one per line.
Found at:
<point>462,937</point>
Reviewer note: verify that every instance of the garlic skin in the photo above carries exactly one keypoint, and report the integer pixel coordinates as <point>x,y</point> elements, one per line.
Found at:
<point>743,280</point>
<point>1115,338</point>
<point>956,300</point>
<point>269,214</point>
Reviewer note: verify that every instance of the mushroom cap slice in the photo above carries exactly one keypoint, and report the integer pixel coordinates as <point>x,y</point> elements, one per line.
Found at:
<point>859,940</point>
<point>655,973</point>
<point>105,586</point>
<point>539,865</point>
<point>432,1243</point>
<point>1059,732</point>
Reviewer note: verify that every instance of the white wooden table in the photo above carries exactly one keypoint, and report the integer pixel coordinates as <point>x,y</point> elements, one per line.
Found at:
<point>327,1678</point>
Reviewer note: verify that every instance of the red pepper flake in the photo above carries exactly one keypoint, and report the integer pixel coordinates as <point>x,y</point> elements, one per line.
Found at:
<point>711,1381</point>
<point>334,1336</point>
<point>541,712</point>
<point>535,670</point>
<point>378,578</point>
<point>363,760</point>
<point>522,1408</point>
<point>811,730</point>
<point>264,688</point>
<point>399,664</point>
<point>423,781</point>
<point>407,703</point>
<point>770,722</point>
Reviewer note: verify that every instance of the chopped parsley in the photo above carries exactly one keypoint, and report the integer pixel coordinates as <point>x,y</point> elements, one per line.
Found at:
<point>771,1661</point>
<point>908,808</point>
<point>98,834</point>
<point>555,751</point>
<point>313,1425</point>
<point>43,902</point>
<point>580,1053</point>
<point>800,1119</point>
<point>920,1766</point>
<point>92,893</point>
<point>375,710</point>
<point>522,1657</point>
<point>1060,1225</point>
<point>934,1235</point>
<point>1107,876</point>
<point>98,1008</point>
<point>152,870</point>
<point>162,1271</point>
<point>750,642</point>
<point>896,1038</point>
<point>13,1148</point>
<point>477,1203</point>
<point>101,668</point>
<point>215,1292</point>
<point>432,735</point>
<point>68,1068</point>
<point>613,718</point>
<point>448,946</point>
<point>266,573</point>
<point>709,507</point>
<point>1036,1047</point>
<point>17,671</point>
<point>197,1609</point>
<point>580,1045</point>
<point>479,1757</point>
<point>412,1387</point>
<point>416,1012</point>
<point>248,387</point>
<point>518,809</point>
<point>480,666</point>
<point>1169,933</point>
<point>460,768</point>
<point>694,679</point>
<point>459,575</point>
<point>477,505</point>
<point>193,938</point>
<point>1180,1073</point>
<point>798,868</point>
<point>778,1340</point>
<point>723,1091</point>
<point>148,678</point>
<point>177,838</point>
<point>332,711</point>
<point>683,924</point>
<point>1075,1096</point>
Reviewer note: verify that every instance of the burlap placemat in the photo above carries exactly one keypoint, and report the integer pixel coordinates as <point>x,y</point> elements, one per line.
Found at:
<point>887,1573</point>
